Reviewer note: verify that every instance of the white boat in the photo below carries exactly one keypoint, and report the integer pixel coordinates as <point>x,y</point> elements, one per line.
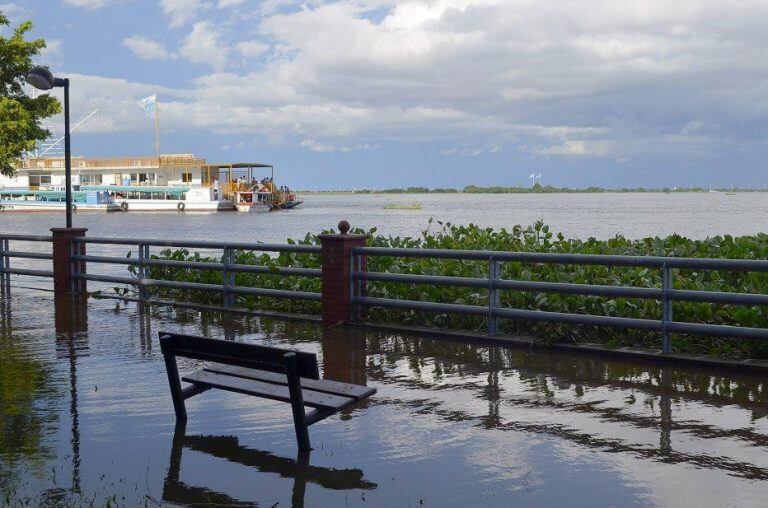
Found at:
<point>24,200</point>
<point>162,199</point>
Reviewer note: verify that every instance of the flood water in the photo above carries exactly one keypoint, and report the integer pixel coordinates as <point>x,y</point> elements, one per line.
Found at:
<point>86,414</point>
<point>85,411</point>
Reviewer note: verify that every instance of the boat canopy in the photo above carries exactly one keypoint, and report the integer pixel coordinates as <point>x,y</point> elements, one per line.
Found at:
<point>134,188</point>
<point>76,195</point>
<point>228,171</point>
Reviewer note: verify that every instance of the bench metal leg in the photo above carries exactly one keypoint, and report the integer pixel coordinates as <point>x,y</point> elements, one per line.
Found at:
<point>297,403</point>
<point>173,378</point>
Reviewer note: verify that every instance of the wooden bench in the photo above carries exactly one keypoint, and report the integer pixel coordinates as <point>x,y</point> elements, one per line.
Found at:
<point>261,371</point>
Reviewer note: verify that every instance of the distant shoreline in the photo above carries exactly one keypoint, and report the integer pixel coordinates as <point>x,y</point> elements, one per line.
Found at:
<point>537,189</point>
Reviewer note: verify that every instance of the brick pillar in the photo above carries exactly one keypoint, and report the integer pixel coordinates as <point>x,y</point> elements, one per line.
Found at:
<point>336,255</point>
<point>63,266</point>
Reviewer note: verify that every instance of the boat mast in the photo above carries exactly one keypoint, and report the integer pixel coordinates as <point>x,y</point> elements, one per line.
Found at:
<point>157,128</point>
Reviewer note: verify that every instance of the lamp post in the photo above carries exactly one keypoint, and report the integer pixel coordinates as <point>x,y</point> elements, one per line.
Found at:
<point>42,79</point>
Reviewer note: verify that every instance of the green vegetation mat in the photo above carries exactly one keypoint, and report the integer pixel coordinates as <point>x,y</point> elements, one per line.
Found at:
<point>535,238</point>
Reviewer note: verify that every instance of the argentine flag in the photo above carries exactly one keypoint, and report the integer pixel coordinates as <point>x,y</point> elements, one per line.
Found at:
<point>148,105</point>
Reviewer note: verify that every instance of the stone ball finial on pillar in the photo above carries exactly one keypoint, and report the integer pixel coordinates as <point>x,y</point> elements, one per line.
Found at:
<point>344,227</point>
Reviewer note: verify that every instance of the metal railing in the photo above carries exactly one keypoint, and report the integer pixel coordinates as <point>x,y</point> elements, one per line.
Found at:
<point>227,267</point>
<point>666,294</point>
<point>6,254</point>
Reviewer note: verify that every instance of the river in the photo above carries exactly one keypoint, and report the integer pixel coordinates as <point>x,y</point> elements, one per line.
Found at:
<point>634,215</point>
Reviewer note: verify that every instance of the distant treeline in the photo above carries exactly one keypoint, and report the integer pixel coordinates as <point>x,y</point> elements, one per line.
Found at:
<point>536,189</point>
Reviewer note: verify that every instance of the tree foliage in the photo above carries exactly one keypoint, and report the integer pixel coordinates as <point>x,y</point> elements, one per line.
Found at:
<point>20,114</point>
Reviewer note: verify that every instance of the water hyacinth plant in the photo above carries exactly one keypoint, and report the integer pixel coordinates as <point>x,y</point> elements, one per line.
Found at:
<point>534,238</point>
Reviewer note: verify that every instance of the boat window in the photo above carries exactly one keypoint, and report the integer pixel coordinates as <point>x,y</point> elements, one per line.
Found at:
<point>186,177</point>
<point>145,195</point>
<point>183,196</point>
<point>92,179</point>
<point>133,195</point>
<point>158,195</point>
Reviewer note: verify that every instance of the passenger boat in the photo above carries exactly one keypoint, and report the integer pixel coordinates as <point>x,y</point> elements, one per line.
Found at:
<point>263,196</point>
<point>168,198</point>
<point>263,200</point>
<point>54,200</point>
<point>168,182</point>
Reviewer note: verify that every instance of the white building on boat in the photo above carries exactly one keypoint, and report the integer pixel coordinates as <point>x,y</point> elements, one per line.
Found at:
<point>47,173</point>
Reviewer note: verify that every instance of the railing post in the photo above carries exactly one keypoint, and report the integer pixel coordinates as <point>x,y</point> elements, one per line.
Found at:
<point>493,295</point>
<point>143,258</point>
<point>356,284</point>
<point>337,268</point>
<point>64,267</point>
<point>227,277</point>
<point>5,265</point>
<point>666,308</point>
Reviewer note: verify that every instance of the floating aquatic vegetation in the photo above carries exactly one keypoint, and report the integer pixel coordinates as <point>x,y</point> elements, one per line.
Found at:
<point>534,238</point>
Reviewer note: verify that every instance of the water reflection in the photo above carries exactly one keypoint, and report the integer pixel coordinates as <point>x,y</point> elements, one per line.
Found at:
<point>71,322</point>
<point>551,387</point>
<point>27,402</point>
<point>176,490</point>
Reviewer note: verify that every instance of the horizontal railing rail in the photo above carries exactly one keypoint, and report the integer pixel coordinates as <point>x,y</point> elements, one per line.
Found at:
<point>666,294</point>
<point>201,244</point>
<point>228,268</point>
<point>6,254</point>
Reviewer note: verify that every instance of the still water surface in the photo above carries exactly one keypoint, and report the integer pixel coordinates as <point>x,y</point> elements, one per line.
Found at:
<point>86,412</point>
<point>696,215</point>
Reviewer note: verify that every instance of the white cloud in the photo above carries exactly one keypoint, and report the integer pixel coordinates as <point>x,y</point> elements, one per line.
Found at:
<point>182,12</point>
<point>202,46</point>
<point>52,48</point>
<point>223,4</point>
<point>87,4</point>
<point>11,9</point>
<point>147,49</point>
<point>252,49</point>
<point>471,151</point>
<point>315,146</point>
<point>552,78</point>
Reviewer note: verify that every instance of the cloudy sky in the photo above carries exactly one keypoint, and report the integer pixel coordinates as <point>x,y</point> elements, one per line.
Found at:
<point>383,93</point>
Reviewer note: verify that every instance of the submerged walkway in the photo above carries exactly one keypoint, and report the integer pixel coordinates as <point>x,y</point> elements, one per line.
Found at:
<point>453,424</point>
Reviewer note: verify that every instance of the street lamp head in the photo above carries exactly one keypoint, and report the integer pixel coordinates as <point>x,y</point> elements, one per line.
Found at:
<point>43,79</point>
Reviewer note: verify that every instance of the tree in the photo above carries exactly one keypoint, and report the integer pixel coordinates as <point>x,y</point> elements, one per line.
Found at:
<point>20,114</point>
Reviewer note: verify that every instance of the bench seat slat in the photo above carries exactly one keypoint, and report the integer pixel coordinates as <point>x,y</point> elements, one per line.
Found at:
<point>356,392</point>
<point>266,390</point>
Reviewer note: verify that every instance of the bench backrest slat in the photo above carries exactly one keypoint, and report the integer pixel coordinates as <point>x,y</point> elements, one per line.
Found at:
<point>236,353</point>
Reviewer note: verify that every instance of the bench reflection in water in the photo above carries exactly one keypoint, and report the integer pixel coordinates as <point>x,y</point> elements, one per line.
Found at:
<point>228,448</point>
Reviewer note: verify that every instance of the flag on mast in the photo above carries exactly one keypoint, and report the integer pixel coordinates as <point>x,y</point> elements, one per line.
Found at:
<point>148,105</point>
